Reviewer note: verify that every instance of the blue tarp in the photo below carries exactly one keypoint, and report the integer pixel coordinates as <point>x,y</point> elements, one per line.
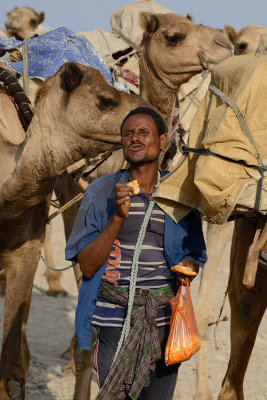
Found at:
<point>46,53</point>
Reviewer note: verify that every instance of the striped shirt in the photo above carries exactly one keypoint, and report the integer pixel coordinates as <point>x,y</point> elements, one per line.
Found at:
<point>153,272</point>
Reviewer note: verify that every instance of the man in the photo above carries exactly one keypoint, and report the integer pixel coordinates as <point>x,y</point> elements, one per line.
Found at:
<point>104,237</point>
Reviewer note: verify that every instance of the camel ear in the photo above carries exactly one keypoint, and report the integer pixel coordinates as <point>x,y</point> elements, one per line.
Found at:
<point>190,17</point>
<point>71,77</point>
<point>41,17</point>
<point>149,22</point>
<point>230,32</point>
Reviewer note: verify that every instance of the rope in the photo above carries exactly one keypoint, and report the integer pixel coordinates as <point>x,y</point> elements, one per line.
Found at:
<point>57,269</point>
<point>66,206</point>
<point>126,39</point>
<point>239,116</point>
<point>134,270</point>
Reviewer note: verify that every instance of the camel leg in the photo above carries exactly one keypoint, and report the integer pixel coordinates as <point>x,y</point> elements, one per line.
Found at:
<point>204,309</point>
<point>53,277</point>
<point>247,309</point>
<point>65,190</point>
<point>15,354</point>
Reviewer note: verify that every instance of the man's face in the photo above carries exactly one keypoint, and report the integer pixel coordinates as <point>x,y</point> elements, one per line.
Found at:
<point>140,140</point>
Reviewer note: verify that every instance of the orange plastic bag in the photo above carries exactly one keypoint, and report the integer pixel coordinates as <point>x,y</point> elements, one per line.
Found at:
<point>183,340</point>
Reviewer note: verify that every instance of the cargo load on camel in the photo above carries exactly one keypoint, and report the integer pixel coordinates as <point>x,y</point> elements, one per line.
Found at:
<point>229,171</point>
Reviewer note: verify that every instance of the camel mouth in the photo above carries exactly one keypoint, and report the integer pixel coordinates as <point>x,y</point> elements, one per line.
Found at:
<point>209,62</point>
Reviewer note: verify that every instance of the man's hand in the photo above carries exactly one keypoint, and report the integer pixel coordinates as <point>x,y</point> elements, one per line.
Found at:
<point>122,195</point>
<point>186,262</point>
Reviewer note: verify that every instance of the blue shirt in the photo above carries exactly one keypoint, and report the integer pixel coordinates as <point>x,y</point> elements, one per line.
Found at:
<point>182,240</point>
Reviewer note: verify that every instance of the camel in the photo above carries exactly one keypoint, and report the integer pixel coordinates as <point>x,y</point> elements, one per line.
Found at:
<point>22,22</point>
<point>173,50</point>
<point>247,40</point>
<point>77,114</point>
<point>248,300</point>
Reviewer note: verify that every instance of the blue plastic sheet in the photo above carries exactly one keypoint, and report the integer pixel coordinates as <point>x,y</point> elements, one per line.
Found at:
<point>46,53</point>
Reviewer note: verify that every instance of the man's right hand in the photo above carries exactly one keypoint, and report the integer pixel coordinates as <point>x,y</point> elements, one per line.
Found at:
<point>122,195</point>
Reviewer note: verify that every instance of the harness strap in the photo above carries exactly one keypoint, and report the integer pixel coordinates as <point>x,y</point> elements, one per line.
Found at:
<point>206,152</point>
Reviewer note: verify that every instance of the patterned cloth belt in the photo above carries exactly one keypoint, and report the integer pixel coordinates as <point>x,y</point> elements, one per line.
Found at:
<point>130,372</point>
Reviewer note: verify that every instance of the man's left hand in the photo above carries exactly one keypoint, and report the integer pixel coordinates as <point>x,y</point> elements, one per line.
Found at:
<point>186,262</point>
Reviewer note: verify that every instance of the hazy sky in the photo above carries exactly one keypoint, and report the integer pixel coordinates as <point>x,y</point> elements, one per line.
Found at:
<point>81,15</point>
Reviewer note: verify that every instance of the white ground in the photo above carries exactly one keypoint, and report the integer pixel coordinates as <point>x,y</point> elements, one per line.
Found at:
<point>51,327</point>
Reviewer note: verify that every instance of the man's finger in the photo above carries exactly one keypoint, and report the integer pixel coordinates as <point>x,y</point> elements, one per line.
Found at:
<point>120,195</point>
<point>120,202</point>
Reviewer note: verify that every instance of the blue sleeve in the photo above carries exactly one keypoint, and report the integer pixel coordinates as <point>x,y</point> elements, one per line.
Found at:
<point>194,246</point>
<point>87,226</point>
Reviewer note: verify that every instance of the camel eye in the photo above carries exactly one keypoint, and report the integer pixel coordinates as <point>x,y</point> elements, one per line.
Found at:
<point>33,22</point>
<point>106,103</point>
<point>173,40</point>
<point>242,46</point>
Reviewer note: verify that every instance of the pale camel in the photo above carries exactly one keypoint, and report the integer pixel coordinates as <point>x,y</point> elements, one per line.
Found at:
<point>240,334</point>
<point>22,22</point>
<point>77,114</point>
<point>247,40</point>
<point>171,43</point>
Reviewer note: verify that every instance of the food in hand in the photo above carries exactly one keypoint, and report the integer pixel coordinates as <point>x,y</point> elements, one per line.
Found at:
<point>183,270</point>
<point>136,187</point>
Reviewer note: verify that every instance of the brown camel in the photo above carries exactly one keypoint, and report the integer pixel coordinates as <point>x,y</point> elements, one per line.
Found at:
<point>22,22</point>
<point>77,114</point>
<point>247,40</point>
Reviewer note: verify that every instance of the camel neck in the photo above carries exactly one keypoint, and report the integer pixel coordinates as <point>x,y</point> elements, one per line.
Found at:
<point>46,153</point>
<point>156,92</point>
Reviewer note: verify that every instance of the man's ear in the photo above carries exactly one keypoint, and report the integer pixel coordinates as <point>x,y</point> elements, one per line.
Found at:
<point>149,22</point>
<point>163,140</point>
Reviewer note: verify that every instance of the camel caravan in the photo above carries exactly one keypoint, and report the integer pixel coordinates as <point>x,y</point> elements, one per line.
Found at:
<point>66,132</point>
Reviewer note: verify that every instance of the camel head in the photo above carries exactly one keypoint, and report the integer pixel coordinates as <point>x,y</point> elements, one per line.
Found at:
<point>22,22</point>
<point>175,48</point>
<point>247,40</point>
<point>83,109</point>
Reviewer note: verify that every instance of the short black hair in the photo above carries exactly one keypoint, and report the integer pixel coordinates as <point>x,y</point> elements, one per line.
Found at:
<point>162,128</point>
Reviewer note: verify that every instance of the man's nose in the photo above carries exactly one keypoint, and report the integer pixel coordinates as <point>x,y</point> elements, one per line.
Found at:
<point>136,135</point>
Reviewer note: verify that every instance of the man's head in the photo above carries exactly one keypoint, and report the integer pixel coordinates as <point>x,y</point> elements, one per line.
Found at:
<point>144,135</point>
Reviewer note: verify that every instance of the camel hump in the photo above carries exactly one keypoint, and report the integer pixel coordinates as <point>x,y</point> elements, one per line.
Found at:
<point>13,102</point>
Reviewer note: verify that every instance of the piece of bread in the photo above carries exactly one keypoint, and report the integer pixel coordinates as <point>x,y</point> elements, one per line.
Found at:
<point>136,187</point>
<point>183,270</point>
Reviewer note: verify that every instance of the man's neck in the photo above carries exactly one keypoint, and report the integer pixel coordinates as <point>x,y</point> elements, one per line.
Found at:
<point>146,176</point>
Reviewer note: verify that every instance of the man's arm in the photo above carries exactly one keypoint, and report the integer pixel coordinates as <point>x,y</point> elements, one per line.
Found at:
<point>194,248</point>
<point>95,253</point>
